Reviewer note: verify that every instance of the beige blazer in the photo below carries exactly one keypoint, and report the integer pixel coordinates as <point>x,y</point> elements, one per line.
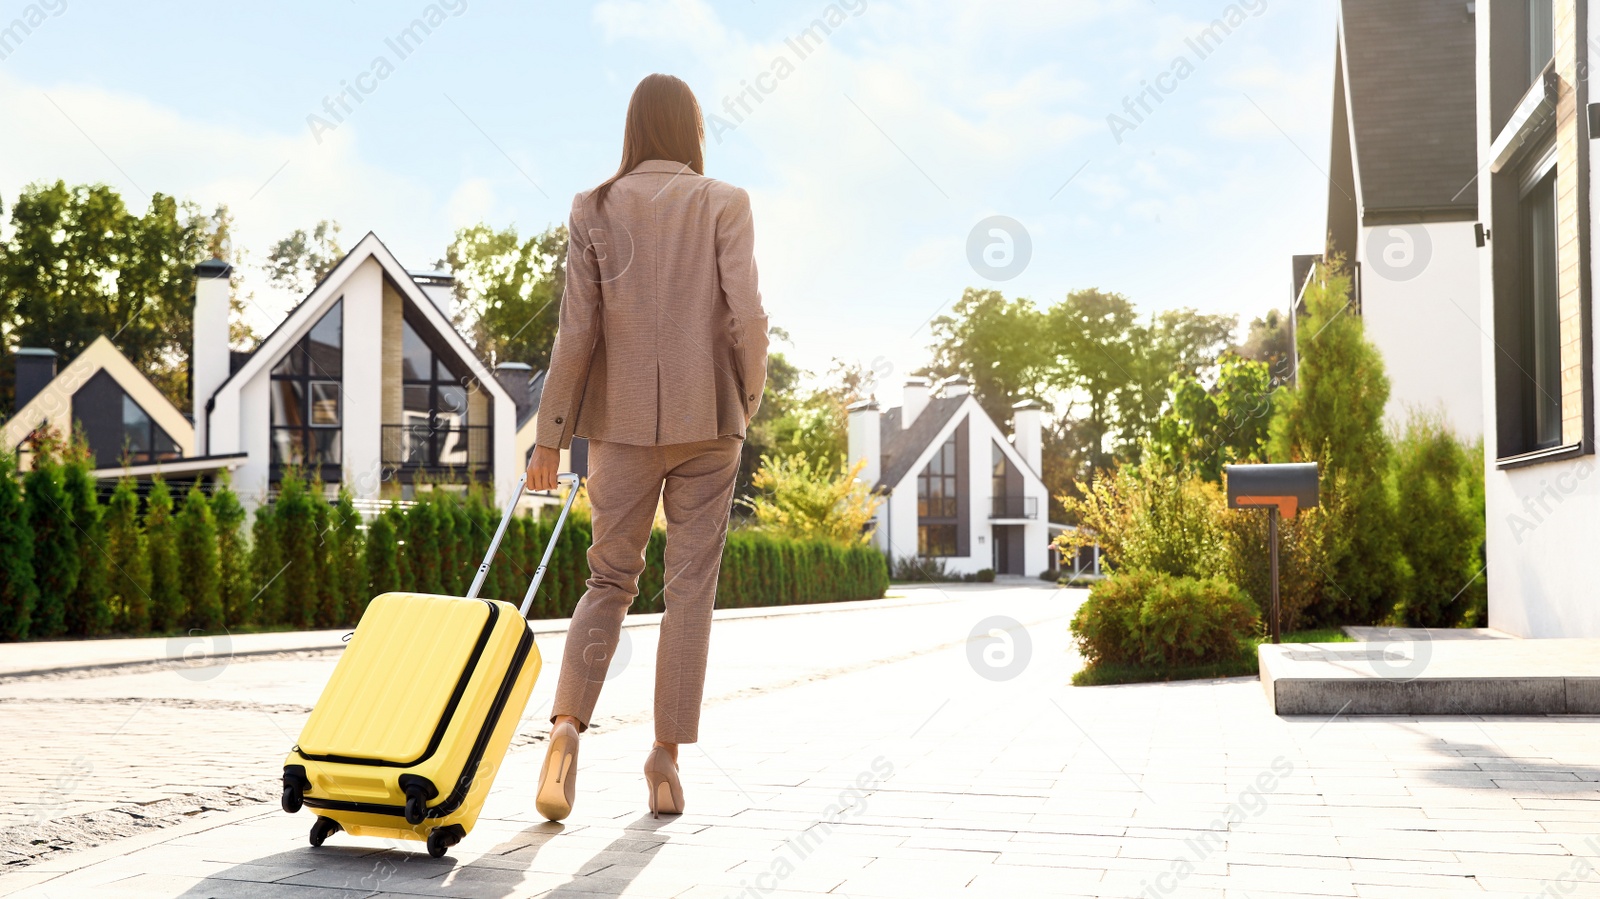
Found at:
<point>662,337</point>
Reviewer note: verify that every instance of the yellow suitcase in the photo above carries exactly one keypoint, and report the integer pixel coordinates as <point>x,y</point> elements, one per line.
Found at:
<point>414,723</point>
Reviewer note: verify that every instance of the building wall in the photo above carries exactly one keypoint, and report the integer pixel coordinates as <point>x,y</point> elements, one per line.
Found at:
<point>363,394</point>
<point>1436,297</point>
<point>1543,520</point>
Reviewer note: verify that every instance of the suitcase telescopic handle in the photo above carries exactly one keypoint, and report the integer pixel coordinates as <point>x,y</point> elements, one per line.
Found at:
<point>565,477</point>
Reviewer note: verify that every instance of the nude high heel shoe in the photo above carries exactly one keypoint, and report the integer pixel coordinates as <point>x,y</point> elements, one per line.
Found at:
<point>661,774</point>
<point>558,780</point>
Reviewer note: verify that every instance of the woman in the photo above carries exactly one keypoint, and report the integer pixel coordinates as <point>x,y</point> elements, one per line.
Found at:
<point>659,361</point>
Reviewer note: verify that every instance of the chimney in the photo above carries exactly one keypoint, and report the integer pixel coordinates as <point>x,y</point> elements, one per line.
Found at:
<point>440,288</point>
<point>866,440</point>
<point>36,368</point>
<point>515,378</point>
<point>1027,433</point>
<point>955,385</point>
<point>916,399</point>
<point>210,360</point>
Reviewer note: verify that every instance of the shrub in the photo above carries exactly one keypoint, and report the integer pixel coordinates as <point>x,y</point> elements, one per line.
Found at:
<point>1148,517</point>
<point>351,565</point>
<point>128,587</point>
<point>1165,622</point>
<point>296,529</point>
<point>914,569</point>
<point>328,599</point>
<point>167,605</point>
<point>266,567</point>
<point>17,590</point>
<point>1437,526</point>
<point>197,562</point>
<point>985,576</point>
<point>807,500</point>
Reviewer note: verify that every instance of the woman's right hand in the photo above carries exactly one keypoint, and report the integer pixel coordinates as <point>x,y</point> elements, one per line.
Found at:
<point>542,468</point>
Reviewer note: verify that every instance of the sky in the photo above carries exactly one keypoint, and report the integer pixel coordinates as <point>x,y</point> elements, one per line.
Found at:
<point>917,148</point>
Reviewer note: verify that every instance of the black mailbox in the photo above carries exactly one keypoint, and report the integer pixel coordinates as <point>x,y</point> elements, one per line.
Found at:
<point>1289,487</point>
<point>1281,490</point>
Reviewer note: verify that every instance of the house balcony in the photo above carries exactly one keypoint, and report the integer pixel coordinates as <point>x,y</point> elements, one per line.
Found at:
<point>1015,507</point>
<point>462,451</point>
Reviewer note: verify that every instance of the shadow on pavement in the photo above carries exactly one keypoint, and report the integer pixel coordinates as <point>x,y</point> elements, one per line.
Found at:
<point>373,867</point>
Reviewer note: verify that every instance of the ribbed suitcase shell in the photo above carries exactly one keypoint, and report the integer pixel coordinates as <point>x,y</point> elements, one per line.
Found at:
<point>430,686</point>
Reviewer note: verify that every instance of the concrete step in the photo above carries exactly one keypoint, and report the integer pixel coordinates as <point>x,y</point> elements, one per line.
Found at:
<point>1433,672</point>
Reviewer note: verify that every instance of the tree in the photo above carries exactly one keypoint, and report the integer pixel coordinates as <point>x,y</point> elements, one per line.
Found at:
<point>352,566</point>
<point>1334,416</point>
<point>1091,331</point>
<point>78,264</point>
<point>1179,342</point>
<point>773,421</point>
<point>296,515</point>
<point>812,501</point>
<point>328,601</point>
<point>88,615</point>
<point>128,584</point>
<point>168,607</point>
<point>297,262</point>
<point>1271,341</point>
<point>18,592</point>
<point>197,561</point>
<point>233,557</point>
<point>383,572</point>
<point>56,562</point>
<point>266,568</point>
<point>1002,346</point>
<point>509,290</point>
<point>1204,430</point>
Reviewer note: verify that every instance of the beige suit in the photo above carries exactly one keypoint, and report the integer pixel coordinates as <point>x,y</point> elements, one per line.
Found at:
<point>659,360</point>
<point>662,336</point>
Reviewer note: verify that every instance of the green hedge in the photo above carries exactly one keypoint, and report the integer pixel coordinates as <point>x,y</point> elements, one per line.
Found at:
<point>71,565</point>
<point>1164,622</point>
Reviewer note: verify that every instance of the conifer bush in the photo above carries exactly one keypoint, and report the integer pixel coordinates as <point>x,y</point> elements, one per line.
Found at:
<point>167,604</point>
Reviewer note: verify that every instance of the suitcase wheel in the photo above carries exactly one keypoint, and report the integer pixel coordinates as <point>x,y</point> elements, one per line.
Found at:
<point>416,807</point>
<point>291,798</point>
<point>322,829</point>
<point>442,838</point>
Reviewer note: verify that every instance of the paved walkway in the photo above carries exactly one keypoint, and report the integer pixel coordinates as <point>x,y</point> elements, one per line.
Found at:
<point>879,753</point>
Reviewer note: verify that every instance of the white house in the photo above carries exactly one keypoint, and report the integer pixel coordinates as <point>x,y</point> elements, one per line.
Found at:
<point>1536,124</point>
<point>956,488</point>
<point>1401,200</point>
<point>366,382</point>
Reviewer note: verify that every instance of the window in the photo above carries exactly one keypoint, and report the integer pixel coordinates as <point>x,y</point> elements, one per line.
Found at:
<point>307,396</point>
<point>938,500</point>
<point>1541,36</point>
<point>434,405</point>
<point>935,540</point>
<point>1541,333</point>
<point>142,439</point>
<point>936,485</point>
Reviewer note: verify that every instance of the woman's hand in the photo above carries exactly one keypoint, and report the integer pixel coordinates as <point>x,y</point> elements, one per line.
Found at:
<point>542,468</point>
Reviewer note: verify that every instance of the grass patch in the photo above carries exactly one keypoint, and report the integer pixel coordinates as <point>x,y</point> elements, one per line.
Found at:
<point>1246,666</point>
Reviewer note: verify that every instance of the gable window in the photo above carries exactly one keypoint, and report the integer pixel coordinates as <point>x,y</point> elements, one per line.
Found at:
<point>437,429</point>
<point>940,500</point>
<point>142,439</point>
<point>308,396</point>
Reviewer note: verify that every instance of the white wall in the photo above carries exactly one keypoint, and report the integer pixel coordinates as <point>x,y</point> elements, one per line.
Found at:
<point>1420,308</point>
<point>362,386</point>
<point>1543,527</point>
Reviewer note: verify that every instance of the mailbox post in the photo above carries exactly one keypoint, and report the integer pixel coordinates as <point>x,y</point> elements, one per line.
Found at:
<point>1281,490</point>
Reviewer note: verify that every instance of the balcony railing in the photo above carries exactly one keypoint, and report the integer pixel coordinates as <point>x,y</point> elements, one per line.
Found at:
<point>419,447</point>
<point>1015,507</point>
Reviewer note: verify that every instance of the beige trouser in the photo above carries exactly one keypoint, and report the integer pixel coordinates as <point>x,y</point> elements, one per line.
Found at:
<point>694,482</point>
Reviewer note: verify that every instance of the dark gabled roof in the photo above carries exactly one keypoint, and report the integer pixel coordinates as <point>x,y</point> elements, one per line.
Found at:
<point>528,404</point>
<point>1411,74</point>
<point>900,447</point>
